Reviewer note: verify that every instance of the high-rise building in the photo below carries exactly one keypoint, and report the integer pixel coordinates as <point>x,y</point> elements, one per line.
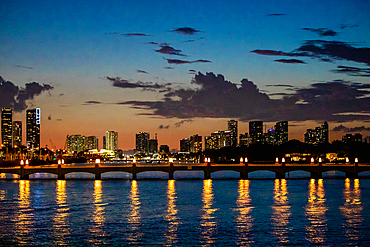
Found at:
<point>92,142</point>
<point>233,128</point>
<point>17,133</point>
<point>185,145</point>
<point>210,142</point>
<point>318,135</point>
<point>142,142</point>
<point>111,140</point>
<point>349,138</point>
<point>244,139</point>
<point>75,143</point>
<point>256,132</point>
<point>33,122</point>
<point>195,144</point>
<point>270,137</point>
<point>153,146</point>
<point>281,132</point>
<point>164,149</point>
<point>6,127</point>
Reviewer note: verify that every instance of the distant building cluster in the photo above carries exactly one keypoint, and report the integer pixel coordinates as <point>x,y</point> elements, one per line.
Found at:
<point>276,136</point>
<point>79,143</point>
<point>11,131</point>
<point>318,135</point>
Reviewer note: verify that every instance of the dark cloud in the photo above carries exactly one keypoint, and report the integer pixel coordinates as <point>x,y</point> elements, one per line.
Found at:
<point>347,26</point>
<point>191,70</point>
<point>325,51</point>
<point>354,129</point>
<point>166,49</point>
<point>353,71</point>
<point>201,61</point>
<point>276,14</point>
<point>289,61</point>
<point>216,97</point>
<point>15,97</point>
<point>23,67</point>
<point>92,102</point>
<point>147,86</point>
<point>60,95</point>
<point>279,85</point>
<point>141,71</point>
<point>135,34</point>
<point>168,67</point>
<point>153,43</point>
<point>189,41</point>
<point>186,30</point>
<point>163,127</point>
<point>178,124</point>
<point>177,61</point>
<point>49,117</point>
<point>321,31</point>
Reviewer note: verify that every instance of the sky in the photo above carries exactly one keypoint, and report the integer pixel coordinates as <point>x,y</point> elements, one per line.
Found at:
<point>179,68</point>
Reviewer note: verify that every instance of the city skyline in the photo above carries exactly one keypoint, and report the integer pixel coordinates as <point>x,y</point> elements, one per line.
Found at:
<point>150,67</point>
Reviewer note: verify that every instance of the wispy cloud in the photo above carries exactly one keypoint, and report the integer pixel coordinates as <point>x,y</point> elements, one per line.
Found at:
<point>354,129</point>
<point>353,71</point>
<point>179,124</point>
<point>289,61</point>
<point>22,66</point>
<point>343,26</point>
<point>166,49</point>
<point>321,31</point>
<point>122,83</point>
<point>163,126</point>
<point>276,14</point>
<point>141,71</point>
<point>135,34</point>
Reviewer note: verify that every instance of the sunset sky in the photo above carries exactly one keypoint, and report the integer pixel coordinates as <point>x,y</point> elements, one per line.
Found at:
<point>179,68</point>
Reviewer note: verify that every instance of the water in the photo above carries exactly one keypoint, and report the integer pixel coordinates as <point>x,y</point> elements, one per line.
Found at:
<point>275,212</point>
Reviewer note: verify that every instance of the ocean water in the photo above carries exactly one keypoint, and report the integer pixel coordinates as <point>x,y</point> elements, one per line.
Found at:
<point>271,212</point>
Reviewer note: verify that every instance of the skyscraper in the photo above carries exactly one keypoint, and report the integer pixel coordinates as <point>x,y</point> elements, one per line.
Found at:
<point>256,132</point>
<point>281,132</point>
<point>33,122</point>
<point>6,127</point>
<point>142,142</point>
<point>153,146</point>
<point>195,143</point>
<point>185,145</point>
<point>75,143</point>
<point>111,140</point>
<point>233,128</point>
<point>17,133</point>
<point>318,135</point>
<point>91,142</point>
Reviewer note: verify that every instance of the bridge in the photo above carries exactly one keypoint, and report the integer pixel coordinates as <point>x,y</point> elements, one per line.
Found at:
<point>280,170</point>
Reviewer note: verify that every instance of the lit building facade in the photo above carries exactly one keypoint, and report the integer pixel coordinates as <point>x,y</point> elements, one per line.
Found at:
<point>349,138</point>
<point>164,149</point>
<point>281,132</point>
<point>244,139</point>
<point>92,142</point>
<point>75,143</point>
<point>6,126</point>
<point>17,133</point>
<point>270,137</point>
<point>233,128</point>
<point>33,123</point>
<point>195,144</point>
<point>256,132</point>
<point>142,142</point>
<point>111,140</point>
<point>318,135</point>
<point>185,145</point>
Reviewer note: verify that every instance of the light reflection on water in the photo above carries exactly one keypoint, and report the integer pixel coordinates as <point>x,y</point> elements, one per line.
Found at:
<point>208,225</point>
<point>171,216</point>
<point>316,212</point>
<point>97,229</point>
<point>25,214</point>
<point>61,223</point>
<point>244,220</point>
<point>134,217</point>
<point>281,211</point>
<point>352,209</point>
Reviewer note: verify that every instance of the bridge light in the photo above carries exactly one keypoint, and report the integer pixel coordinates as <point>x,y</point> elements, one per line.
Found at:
<point>241,159</point>
<point>59,162</point>
<point>277,160</point>
<point>205,160</point>
<point>22,162</point>
<point>246,160</point>
<point>283,160</point>
<point>170,160</point>
<point>97,161</point>
<point>312,160</point>
<point>26,162</point>
<point>62,161</point>
<point>356,160</point>
<point>320,160</point>
<point>134,161</point>
<point>347,160</point>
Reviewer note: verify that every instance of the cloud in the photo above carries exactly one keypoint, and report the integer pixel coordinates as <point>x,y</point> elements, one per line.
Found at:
<point>343,26</point>
<point>279,85</point>
<point>289,61</point>
<point>185,30</point>
<point>59,119</point>
<point>276,14</point>
<point>23,67</point>
<point>166,49</point>
<point>321,31</point>
<point>353,71</point>
<point>163,127</point>
<point>135,34</point>
<point>153,43</point>
<point>177,61</point>
<point>325,51</point>
<point>49,117</point>
<point>168,67</point>
<point>92,102</point>
<point>16,97</point>
<point>216,97</point>
<point>178,124</point>
<point>354,129</point>
<point>141,71</point>
<point>147,86</point>
<point>61,94</point>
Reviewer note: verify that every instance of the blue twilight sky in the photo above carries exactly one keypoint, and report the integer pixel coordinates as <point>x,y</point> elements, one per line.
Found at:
<point>120,65</point>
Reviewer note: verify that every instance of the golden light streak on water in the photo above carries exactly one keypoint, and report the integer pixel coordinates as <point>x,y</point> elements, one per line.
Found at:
<point>171,216</point>
<point>244,220</point>
<point>97,231</point>
<point>25,214</point>
<point>208,225</point>
<point>352,209</point>
<point>281,211</point>
<point>316,213</point>
<point>61,224</point>
<point>134,217</point>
